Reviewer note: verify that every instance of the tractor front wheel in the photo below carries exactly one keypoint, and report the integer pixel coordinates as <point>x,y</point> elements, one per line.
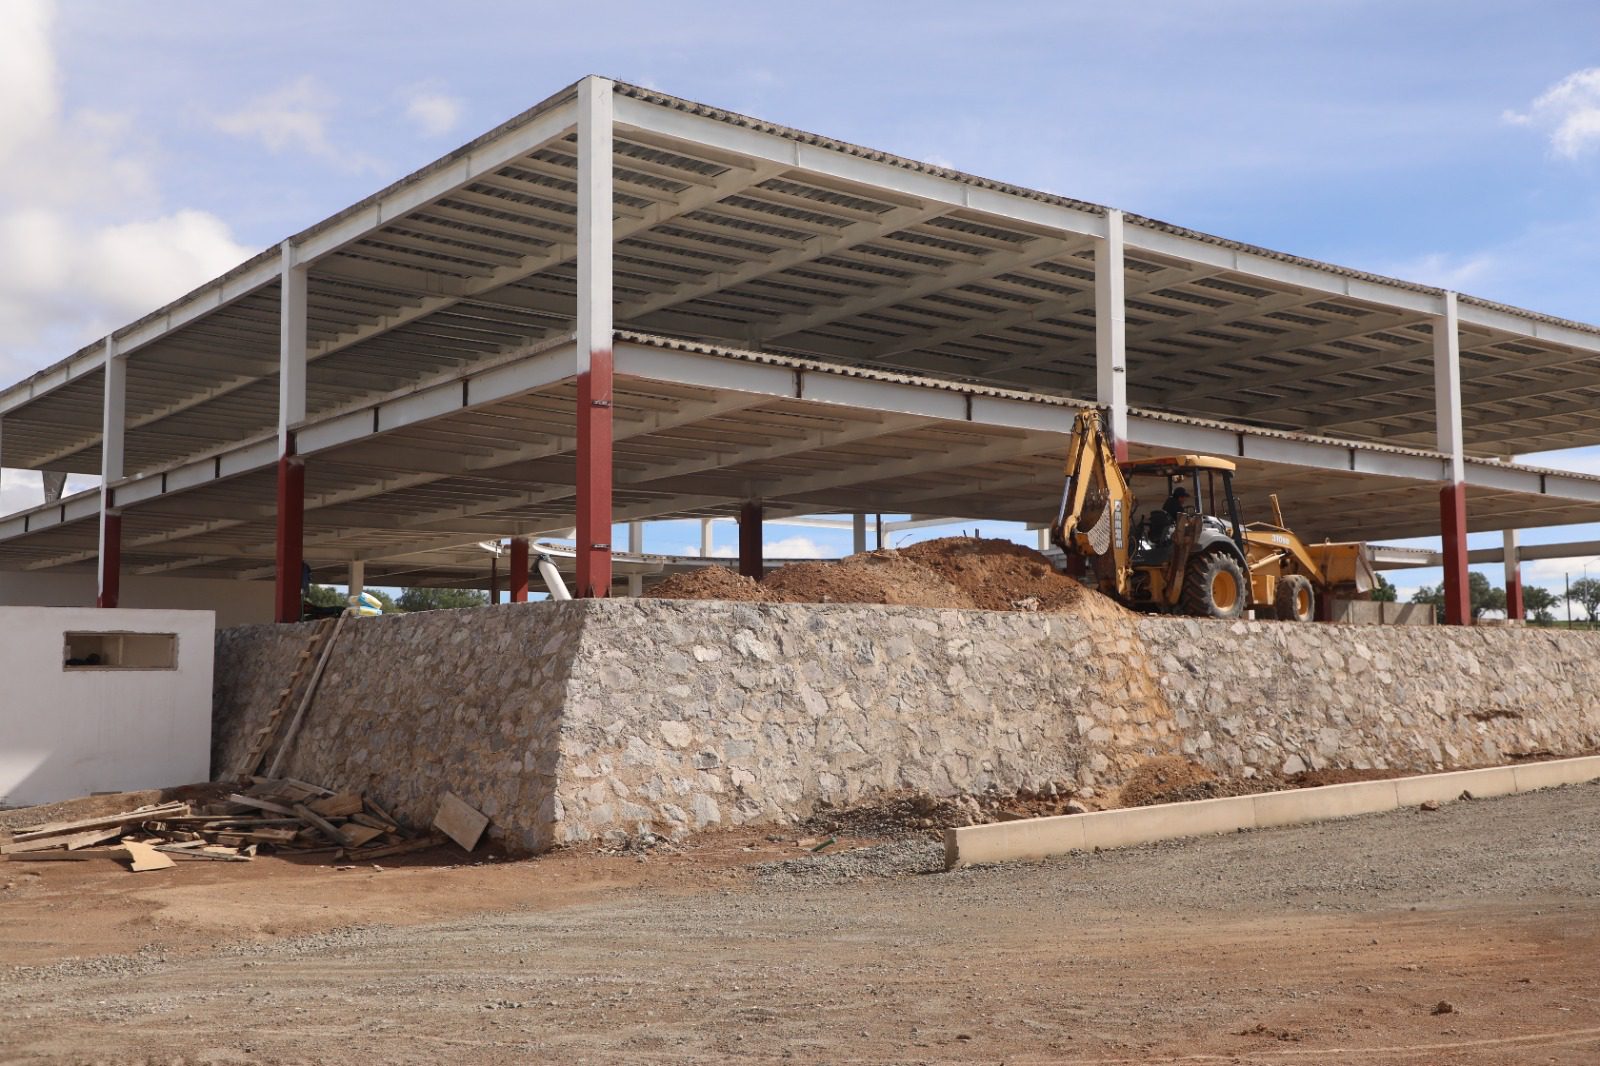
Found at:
<point>1296,599</point>
<point>1215,587</point>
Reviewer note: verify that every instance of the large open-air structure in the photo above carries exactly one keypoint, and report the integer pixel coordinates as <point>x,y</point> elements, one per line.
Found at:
<point>622,306</point>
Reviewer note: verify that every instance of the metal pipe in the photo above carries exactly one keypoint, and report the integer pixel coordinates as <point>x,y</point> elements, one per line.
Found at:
<point>552,578</point>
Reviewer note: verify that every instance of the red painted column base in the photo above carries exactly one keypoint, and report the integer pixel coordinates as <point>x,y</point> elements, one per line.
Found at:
<point>110,588</point>
<point>519,570</point>
<point>594,477</point>
<point>1453,532</point>
<point>291,537</point>
<point>1515,608</point>
<point>751,563</point>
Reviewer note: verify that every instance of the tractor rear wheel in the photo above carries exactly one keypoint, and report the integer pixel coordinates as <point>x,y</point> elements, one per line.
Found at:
<point>1296,600</point>
<point>1215,587</point>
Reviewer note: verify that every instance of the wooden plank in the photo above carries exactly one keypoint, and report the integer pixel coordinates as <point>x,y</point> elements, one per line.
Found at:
<point>459,821</point>
<point>259,804</point>
<point>93,837</point>
<point>361,834</point>
<point>327,828</point>
<point>50,856</point>
<point>33,845</point>
<point>341,805</point>
<point>419,844</point>
<point>375,822</point>
<point>153,814</point>
<point>199,853</point>
<point>146,856</point>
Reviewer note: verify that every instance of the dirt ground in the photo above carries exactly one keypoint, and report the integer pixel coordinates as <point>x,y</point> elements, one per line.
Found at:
<point>1468,935</point>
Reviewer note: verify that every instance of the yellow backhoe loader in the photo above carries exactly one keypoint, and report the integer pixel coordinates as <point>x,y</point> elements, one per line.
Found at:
<point>1189,553</point>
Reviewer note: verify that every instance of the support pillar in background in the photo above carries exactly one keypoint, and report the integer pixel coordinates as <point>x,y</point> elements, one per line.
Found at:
<point>1515,609</point>
<point>291,538</point>
<point>494,580</point>
<point>291,411</point>
<point>596,106</point>
<point>858,534</point>
<point>751,564</point>
<point>113,419</point>
<point>518,581</point>
<point>1453,496</point>
<point>358,577</point>
<point>636,549</point>
<point>707,538</point>
<point>1111,333</point>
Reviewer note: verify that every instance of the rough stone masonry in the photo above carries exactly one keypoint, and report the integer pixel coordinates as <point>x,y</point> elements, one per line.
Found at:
<point>563,721</point>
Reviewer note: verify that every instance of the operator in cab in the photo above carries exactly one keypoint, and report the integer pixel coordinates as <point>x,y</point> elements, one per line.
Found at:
<point>1177,503</point>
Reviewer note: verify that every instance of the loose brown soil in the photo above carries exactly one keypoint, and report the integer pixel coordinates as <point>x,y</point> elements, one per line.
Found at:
<point>1324,944</point>
<point>968,572</point>
<point>876,577</point>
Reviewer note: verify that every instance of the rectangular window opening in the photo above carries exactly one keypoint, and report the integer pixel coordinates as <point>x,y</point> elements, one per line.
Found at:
<point>121,651</point>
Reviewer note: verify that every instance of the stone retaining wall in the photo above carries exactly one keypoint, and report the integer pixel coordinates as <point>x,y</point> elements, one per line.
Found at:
<point>565,721</point>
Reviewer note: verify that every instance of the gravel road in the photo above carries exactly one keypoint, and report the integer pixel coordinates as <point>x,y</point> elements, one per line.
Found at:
<point>1466,935</point>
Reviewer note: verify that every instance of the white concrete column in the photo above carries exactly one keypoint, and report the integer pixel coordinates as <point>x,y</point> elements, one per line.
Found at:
<point>636,549</point>
<point>1111,331</point>
<point>1044,539</point>
<point>705,538</point>
<point>858,533</point>
<point>1447,388</point>
<point>113,424</point>
<point>596,118</point>
<point>358,576</point>
<point>291,347</point>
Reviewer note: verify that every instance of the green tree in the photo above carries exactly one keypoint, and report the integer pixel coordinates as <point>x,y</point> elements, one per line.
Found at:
<point>1482,595</point>
<point>1384,592</point>
<point>416,599</point>
<point>324,596</point>
<point>1586,593</point>
<point>1540,603</point>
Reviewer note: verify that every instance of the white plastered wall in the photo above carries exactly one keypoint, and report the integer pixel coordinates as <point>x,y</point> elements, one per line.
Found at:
<point>71,731</point>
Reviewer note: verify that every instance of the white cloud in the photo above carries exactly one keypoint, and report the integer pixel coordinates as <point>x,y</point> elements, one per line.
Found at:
<point>294,118</point>
<point>434,113</point>
<point>22,489</point>
<point>1446,271</point>
<point>87,243</point>
<point>1569,112</point>
<point>796,547</point>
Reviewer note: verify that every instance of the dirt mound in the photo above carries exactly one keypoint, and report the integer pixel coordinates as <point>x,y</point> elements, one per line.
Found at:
<point>873,577</point>
<point>899,814</point>
<point>709,583</point>
<point>969,572</point>
<point>1169,779</point>
<point>1001,575</point>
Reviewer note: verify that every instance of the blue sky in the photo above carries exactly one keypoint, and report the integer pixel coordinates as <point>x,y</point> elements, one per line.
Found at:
<point>145,147</point>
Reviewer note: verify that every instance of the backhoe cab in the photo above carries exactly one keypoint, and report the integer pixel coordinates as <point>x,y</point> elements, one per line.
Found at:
<point>1156,548</point>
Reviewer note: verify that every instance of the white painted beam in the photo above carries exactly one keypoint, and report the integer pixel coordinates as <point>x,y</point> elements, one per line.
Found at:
<point>291,347</point>
<point>1447,388</point>
<point>1111,328</point>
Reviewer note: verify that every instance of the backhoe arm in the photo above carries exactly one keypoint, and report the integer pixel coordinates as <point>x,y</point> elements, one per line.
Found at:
<point>1096,505</point>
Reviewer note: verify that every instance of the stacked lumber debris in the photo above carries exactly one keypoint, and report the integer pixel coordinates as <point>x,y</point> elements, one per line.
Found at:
<point>282,816</point>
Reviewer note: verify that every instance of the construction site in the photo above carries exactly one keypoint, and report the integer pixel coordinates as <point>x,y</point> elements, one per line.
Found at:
<point>1176,752</point>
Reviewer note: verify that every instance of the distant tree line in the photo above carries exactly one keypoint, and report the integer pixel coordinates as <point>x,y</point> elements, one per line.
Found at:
<point>1539,602</point>
<point>411,600</point>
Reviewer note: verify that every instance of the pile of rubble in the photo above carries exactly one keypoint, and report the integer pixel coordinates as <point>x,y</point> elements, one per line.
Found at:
<point>267,815</point>
<point>961,572</point>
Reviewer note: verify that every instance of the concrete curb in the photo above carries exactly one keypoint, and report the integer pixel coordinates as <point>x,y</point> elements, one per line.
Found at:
<point>1038,838</point>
